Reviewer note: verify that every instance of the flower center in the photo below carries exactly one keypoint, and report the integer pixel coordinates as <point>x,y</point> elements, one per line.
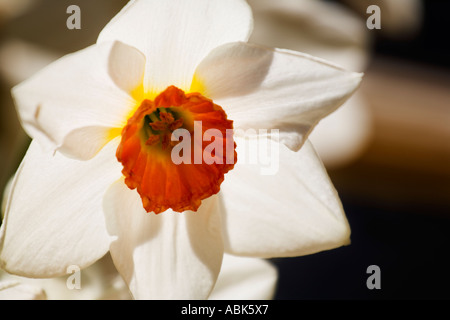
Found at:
<point>167,153</point>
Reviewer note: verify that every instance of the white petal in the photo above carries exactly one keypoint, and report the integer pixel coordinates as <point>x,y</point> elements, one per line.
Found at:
<point>13,290</point>
<point>245,279</point>
<point>291,213</point>
<point>54,216</point>
<point>82,95</point>
<point>165,256</point>
<point>261,88</point>
<point>175,35</point>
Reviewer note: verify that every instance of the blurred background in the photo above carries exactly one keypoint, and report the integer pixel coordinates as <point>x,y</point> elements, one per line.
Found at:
<point>387,150</point>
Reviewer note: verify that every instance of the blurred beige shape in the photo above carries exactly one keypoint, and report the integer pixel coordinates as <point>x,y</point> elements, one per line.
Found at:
<point>20,59</point>
<point>12,8</point>
<point>399,18</point>
<point>329,31</point>
<point>13,290</point>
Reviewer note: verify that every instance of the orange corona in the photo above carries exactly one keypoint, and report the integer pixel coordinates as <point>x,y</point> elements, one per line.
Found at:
<point>146,147</point>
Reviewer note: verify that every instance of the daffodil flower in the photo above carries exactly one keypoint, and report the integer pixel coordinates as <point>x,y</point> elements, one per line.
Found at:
<point>98,174</point>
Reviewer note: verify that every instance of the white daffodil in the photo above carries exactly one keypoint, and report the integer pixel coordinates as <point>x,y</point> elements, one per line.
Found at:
<point>99,174</point>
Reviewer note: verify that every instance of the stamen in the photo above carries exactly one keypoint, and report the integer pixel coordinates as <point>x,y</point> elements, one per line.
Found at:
<point>158,126</point>
<point>177,124</point>
<point>152,140</point>
<point>166,117</point>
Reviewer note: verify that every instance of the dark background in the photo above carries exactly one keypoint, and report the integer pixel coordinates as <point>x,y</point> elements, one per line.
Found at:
<point>429,45</point>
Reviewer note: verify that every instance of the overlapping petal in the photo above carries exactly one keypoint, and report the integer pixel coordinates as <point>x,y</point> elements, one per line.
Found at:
<point>291,213</point>
<point>166,256</point>
<point>54,216</point>
<point>75,103</point>
<point>262,88</point>
<point>177,35</point>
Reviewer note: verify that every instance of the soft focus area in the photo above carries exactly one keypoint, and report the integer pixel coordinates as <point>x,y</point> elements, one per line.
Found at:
<point>387,150</point>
